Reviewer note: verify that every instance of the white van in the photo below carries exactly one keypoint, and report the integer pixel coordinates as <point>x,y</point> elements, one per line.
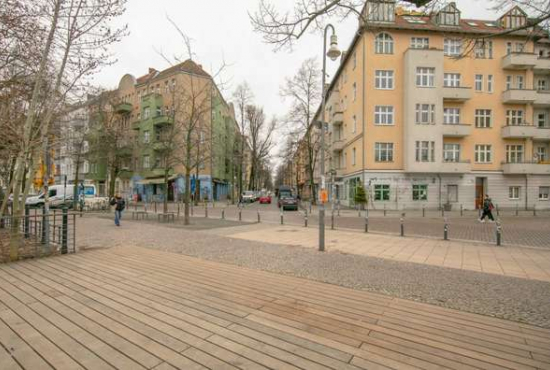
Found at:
<point>58,195</point>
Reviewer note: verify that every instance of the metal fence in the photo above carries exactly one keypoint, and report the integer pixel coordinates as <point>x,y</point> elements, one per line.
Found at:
<point>36,234</point>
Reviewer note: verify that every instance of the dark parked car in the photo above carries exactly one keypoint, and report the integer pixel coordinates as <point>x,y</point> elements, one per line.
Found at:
<point>288,202</point>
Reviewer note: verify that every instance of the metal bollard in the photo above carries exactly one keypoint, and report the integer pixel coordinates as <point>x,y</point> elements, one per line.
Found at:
<point>517,210</point>
<point>499,233</point>
<point>64,231</point>
<point>240,215</point>
<point>423,211</point>
<point>367,224</point>
<point>305,219</point>
<point>332,221</point>
<point>402,224</point>
<point>338,208</point>
<point>461,210</point>
<point>223,214</point>
<point>446,230</point>
<point>384,210</point>
<point>155,206</point>
<point>534,209</point>
<point>205,210</point>
<point>442,212</point>
<point>359,213</point>
<point>258,216</point>
<point>178,209</point>
<point>192,209</point>
<point>27,233</point>
<point>282,222</point>
<point>498,212</point>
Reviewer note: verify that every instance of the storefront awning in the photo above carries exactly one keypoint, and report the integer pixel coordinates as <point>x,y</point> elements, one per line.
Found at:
<point>151,181</point>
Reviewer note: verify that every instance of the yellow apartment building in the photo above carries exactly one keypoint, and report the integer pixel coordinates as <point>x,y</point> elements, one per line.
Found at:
<point>432,110</point>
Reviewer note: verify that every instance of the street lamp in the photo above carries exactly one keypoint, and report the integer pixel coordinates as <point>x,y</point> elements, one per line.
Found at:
<point>333,54</point>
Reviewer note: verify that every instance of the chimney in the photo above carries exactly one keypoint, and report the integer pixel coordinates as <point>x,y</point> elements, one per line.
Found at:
<point>152,70</point>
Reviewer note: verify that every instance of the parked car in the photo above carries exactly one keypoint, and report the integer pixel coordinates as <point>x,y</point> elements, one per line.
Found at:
<point>248,197</point>
<point>265,199</point>
<point>288,202</point>
<point>58,195</point>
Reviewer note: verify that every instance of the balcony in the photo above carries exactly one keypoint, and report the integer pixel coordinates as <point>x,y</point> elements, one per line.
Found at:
<point>457,130</point>
<point>519,96</point>
<point>531,168</point>
<point>542,134</point>
<point>339,173</point>
<point>519,61</point>
<point>162,120</point>
<point>457,94</point>
<point>542,99</point>
<point>524,131</point>
<point>542,65</point>
<point>136,125</point>
<point>337,115</point>
<point>123,108</point>
<point>456,167</point>
<point>338,145</point>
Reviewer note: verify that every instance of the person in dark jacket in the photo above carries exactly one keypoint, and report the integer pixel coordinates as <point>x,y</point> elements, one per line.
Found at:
<point>119,204</point>
<point>487,209</point>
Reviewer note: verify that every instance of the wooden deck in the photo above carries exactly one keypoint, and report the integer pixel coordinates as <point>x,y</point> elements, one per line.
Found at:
<point>134,308</point>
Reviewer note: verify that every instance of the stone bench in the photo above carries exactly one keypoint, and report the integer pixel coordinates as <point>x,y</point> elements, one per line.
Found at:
<point>166,217</point>
<point>136,215</point>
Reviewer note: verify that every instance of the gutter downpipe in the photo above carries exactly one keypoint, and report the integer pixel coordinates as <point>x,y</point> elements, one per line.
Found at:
<point>363,118</point>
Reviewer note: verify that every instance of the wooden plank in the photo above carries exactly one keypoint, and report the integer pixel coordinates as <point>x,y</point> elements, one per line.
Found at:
<point>20,351</point>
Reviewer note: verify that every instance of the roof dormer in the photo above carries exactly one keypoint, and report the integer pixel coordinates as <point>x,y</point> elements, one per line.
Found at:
<point>448,15</point>
<point>379,11</point>
<point>514,18</point>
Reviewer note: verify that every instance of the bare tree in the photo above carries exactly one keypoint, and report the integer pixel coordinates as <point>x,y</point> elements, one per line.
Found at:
<point>242,97</point>
<point>304,92</point>
<point>260,140</point>
<point>282,28</point>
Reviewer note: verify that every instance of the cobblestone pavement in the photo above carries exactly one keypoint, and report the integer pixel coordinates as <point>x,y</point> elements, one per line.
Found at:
<point>510,298</point>
<point>523,230</point>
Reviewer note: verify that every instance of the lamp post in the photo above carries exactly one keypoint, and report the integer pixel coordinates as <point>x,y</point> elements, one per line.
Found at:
<point>333,53</point>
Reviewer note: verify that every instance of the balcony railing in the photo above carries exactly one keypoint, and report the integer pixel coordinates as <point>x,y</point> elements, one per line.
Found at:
<point>519,60</point>
<point>338,145</point>
<point>526,167</point>
<point>542,65</point>
<point>161,120</point>
<point>519,96</point>
<point>457,93</point>
<point>123,108</point>
<point>542,133</point>
<point>456,130</point>
<point>522,131</point>
<point>542,99</point>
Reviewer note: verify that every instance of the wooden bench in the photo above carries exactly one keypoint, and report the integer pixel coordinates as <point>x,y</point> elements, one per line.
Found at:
<point>137,214</point>
<point>166,217</point>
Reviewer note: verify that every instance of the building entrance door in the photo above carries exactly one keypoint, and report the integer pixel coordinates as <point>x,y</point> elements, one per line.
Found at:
<point>480,191</point>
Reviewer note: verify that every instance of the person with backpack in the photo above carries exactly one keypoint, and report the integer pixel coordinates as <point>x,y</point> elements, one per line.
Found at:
<point>120,205</point>
<point>487,209</point>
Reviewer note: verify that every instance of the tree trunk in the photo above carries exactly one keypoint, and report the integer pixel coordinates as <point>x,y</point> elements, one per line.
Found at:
<point>187,196</point>
<point>112,181</point>
<point>165,203</point>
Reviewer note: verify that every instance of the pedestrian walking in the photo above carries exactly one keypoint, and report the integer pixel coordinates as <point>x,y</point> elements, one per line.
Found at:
<point>120,205</point>
<point>487,209</point>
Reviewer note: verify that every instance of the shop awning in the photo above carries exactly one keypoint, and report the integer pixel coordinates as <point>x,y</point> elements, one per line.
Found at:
<point>151,181</point>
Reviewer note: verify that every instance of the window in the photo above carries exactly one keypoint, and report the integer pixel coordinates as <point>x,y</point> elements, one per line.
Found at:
<point>425,151</point>
<point>541,85</point>
<point>146,163</point>
<point>483,118</point>
<point>519,82</point>
<point>354,127</point>
<point>420,192</point>
<point>425,77</point>
<point>354,91</point>
<point>383,115</point>
<point>452,193</point>
<point>420,43</point>
<point>508,48</point>
<point>381,192</point>
<point>384,80</point>
<point>541,119</point>
<point>166,87</point>
<point>383,44</point>
<point>146,113</point>
<point>483,153</point>
<point>452,47</point>
<point>425,114</point>
<point>479,82</point>
<point>483,49</point>
<point>542,154</point>
<point>380,11</point>
<point>490,83</point>
<point>513,192</point>
<point>508,82</point>
<point>544,192</point>
<point>451,152</point>
<point>353,156</point>
<point>383,152</point>
<point>519,47</point>
<point>514,117</point>
<point>514,153</point>
<point>146,137</point>
<point>451,80</point>
<point>451,116</point>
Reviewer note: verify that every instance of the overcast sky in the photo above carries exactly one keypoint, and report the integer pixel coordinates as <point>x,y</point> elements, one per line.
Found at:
<point>221,30</point>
